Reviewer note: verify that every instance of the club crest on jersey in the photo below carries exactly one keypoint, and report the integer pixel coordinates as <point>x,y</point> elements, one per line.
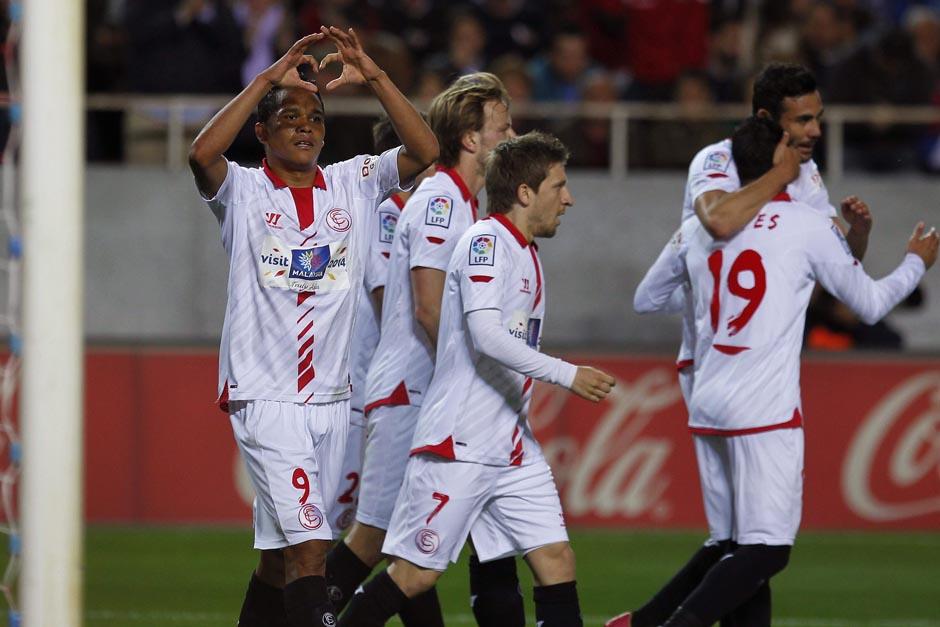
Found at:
<point>339,220</point>
<point>482,250</point>
<point>717,161</point>
<point>427,541</point>
<point>387,223</point>
<point>310,517</point>
<point>438,212</point>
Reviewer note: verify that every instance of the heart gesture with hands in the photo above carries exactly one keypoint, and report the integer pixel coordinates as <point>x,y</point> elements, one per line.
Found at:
<point>358,67</point>
<point>284,72</point>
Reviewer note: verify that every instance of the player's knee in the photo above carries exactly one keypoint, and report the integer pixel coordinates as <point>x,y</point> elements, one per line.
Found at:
<point>271,568</point>
<point>411,579</point>
<point>554,563</point>
<point>305,559</point>
<point>366,542</point>
<point>769,560</point>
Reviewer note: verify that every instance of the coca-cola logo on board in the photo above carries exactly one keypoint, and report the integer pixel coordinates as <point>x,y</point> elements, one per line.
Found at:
<point>907,421</point>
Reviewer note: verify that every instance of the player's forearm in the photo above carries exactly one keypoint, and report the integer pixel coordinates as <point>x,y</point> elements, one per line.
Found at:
<point>731,212</point>
<point>415,135</point>
<point>858,243</point>
<point>872,300</point>
<point>430,321</point>
<point>218,134</point>
<point>490,339</point>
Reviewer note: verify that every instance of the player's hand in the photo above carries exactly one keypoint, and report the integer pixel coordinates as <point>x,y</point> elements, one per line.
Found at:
<point>787,158</point>
<point>358,67</point>
<point>592,384</point>
<point>924,245</point>
<point>284,73</point>
<point>857,214</point>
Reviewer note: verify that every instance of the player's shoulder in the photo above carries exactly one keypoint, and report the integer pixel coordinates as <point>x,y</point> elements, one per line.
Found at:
<point>436,202</point>
<point>714,158</point>
<point>351,171</point>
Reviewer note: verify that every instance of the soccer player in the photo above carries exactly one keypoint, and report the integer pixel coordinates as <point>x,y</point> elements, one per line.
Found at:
<point>381,229</point>
<point>469,119</point>
<point>749,297</point>
<point>295,237</point>
<point>475,467</point>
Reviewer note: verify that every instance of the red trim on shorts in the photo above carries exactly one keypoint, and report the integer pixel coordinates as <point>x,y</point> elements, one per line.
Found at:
<point>796,422</point>
<point>717,175</point>
<point>222,401</point>
<point>444,449</point>
<point>399,396</point>
<point>730,350</point>
<point>435,240</point>
<point>480,278</point>
<point>682,364</point>
<point>385,254</point>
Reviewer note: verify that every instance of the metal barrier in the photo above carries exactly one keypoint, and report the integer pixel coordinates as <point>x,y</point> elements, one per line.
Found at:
<point>619,114</point>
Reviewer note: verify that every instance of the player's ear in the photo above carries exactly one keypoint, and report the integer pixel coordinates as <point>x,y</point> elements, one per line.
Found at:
<point>524,195</point>
<point>470,141</point>
<point>261,132</point>
<point>764,113</point>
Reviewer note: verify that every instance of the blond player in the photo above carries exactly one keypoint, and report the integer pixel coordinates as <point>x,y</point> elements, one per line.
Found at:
<point>750,296</point>
<point>294,234</point>
<point>469,118</point>
<point>475,467</point>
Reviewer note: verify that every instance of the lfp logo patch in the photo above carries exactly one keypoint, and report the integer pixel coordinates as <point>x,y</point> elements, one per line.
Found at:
<point>387,223</point>
<point>438,212</point>
<point>717,161</point>
<point>482,250</point>
<point>309,263</point>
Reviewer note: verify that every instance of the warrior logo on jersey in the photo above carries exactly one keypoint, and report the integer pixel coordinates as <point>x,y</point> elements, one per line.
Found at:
<point>387,223</point>
<point>482,250</point>
<point>438,212</point>
<point>338,220</point>
<point>717,161</point>
<point>427,541</point>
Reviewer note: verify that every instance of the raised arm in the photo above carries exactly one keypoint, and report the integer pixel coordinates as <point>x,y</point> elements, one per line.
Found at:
<point>723,214</point>
<point>871,300</point>
<point>420,144</point>
<point>858,216</point>
<point>205,155</point>
<point>656,293</point>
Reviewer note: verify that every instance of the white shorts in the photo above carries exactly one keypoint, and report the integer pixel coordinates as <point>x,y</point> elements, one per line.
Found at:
<point>293,454</point>
<point>389,433</point>
<point>508,510</point>
<point>686,382</point>
<point>752,485</point>
<point>342,512</point>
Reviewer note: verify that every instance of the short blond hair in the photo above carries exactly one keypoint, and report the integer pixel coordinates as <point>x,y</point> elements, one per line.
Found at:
<point>459,109</point>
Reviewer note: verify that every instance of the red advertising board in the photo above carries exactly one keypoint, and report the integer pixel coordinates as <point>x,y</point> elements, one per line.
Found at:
<point>159,450</point>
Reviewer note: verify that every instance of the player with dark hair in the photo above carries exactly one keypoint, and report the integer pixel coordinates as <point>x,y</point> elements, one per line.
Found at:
<point>475,468</point>
<point>469,119</point>
<point>749,296</point>
<point>295,236</point>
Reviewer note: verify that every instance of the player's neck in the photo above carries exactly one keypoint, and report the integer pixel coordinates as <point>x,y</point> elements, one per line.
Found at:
<point>520,220</point>
<point>469,171</point>
<point>292,175</point>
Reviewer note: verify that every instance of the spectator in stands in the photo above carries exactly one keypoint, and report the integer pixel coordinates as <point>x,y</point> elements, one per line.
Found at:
<point>465,44</point>
<point>558,75</point>
<point>422,24</point>
<point>513,26</point>
<point>268,31</point>
<point>829,34</point>
<point>588,139</point>
<point>726,70</point>
<point>183,46</point>
<point>428,84</point>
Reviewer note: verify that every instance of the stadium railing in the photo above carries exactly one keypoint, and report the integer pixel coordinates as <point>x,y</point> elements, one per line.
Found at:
<point>175,109</point>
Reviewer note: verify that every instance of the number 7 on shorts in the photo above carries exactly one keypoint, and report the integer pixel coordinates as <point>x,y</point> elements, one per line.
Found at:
<point>437,496</point>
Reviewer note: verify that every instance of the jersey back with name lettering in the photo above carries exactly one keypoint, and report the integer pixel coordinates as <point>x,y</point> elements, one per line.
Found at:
<point>476,409</point>
<point>431,223</point>
<point>295,270</point>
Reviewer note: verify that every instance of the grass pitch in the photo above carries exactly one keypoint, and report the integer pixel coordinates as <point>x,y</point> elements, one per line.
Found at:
<point>195,577</point>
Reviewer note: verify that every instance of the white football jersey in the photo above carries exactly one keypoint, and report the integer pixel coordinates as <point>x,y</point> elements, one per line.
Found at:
<point>713,168</point>
<point>750,295</point>
<point>476,409</point>
<point>431,223</point>
<point>296,261</point>
<point>366,335</point>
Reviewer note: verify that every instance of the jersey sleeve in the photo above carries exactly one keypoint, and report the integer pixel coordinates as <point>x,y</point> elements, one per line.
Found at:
<point>660,290</point>
<point>813,192</point>
<point>224,205</point>
<point>482,266</point>
<point>381,236</point>
<point>379,173</point>
<point>842,275</point>
<point>436,232</point>
<point>712,169</point>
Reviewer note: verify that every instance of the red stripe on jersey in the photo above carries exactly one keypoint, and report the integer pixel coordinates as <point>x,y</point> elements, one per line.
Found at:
<point>782,197</point>
<point>399,396</point>
<point>305,314</point>
<point>730,350</point>
<point>443,449</point>
<point>515,458</point>
<point>435,240</point>
<point>527,384</point>
<point>683,363</point>
<point>538,277</point>
<point>796,422</point>
<point>717,175</point>
<point>304,332</point>
<point>303,202</point>
<point>516,233</point>
<point>303,348</point>
<point>385,254</point>
<point>398,201</point>
<point>223,398</point>
<point>303,296</point>
<point>304,378</point>
<point>480,278</point>
<point>305,363</point>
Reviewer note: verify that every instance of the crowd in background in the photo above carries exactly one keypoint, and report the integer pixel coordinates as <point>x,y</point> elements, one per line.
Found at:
<point>693,52</point>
